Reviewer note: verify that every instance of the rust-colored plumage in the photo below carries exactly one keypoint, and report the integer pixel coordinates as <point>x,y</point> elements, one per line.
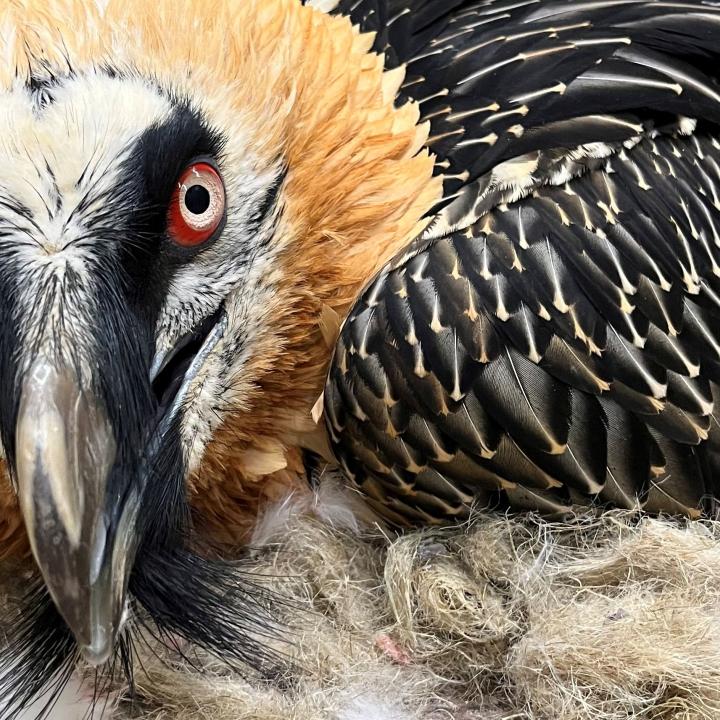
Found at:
<point>277,77</point>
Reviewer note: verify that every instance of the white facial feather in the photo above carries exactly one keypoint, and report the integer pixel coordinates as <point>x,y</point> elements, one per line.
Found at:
<point>67,144</point>
<point>54,158</point>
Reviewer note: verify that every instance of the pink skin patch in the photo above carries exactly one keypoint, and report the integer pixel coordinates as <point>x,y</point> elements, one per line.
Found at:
<point>392,649</point>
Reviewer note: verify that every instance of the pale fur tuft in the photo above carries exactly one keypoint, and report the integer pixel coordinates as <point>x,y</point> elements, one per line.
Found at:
<point>332,502</point>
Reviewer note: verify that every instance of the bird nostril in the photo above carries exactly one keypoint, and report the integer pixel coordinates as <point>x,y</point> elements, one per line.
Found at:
<point>174,368</point>
<point>170,378</point>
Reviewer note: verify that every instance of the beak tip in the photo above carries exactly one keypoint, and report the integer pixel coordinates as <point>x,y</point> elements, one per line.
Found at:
<point>100,648</point>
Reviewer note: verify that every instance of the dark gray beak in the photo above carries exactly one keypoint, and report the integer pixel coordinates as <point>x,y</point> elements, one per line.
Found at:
<point>82,479</point>
<point>83,539</point>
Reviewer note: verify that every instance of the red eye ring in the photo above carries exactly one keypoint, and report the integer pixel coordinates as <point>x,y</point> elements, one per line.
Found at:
<point>197,206</point>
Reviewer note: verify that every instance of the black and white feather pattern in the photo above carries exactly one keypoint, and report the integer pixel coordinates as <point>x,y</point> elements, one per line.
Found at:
<point>554,337</point>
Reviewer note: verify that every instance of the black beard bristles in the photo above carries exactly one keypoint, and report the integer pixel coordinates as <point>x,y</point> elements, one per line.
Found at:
<point>215,605</point>
<point>38,657</point>
<point>181,602</point>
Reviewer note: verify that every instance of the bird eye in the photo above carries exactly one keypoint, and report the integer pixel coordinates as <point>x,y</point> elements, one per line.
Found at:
<point>197,206</point>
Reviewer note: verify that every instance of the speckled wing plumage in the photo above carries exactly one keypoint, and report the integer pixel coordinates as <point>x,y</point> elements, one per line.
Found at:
<point>554,337</point>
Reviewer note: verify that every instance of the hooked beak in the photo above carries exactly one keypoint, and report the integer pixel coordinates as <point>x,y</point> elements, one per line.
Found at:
<point>80,503</point>
<point>80,534</point>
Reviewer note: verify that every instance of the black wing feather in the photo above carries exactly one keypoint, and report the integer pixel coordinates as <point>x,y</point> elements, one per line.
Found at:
<point>556,412</point>
<point>554,337</point>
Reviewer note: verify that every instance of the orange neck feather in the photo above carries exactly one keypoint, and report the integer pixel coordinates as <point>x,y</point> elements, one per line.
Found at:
<point>300,85</point>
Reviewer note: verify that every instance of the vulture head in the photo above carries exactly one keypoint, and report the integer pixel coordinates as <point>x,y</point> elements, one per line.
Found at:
<point>184,195</point>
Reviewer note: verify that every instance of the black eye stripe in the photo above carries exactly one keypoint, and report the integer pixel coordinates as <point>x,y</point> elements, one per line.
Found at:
<point>162,153</point>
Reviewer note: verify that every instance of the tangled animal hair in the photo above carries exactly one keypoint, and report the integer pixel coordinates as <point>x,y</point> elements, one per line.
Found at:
<point>606,617</point>
<point>597,618</point>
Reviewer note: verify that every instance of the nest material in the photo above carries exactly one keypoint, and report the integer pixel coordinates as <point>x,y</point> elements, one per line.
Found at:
<point>604,618</point>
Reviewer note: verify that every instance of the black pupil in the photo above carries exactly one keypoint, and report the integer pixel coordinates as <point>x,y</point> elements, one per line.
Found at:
<point>197,199</point>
